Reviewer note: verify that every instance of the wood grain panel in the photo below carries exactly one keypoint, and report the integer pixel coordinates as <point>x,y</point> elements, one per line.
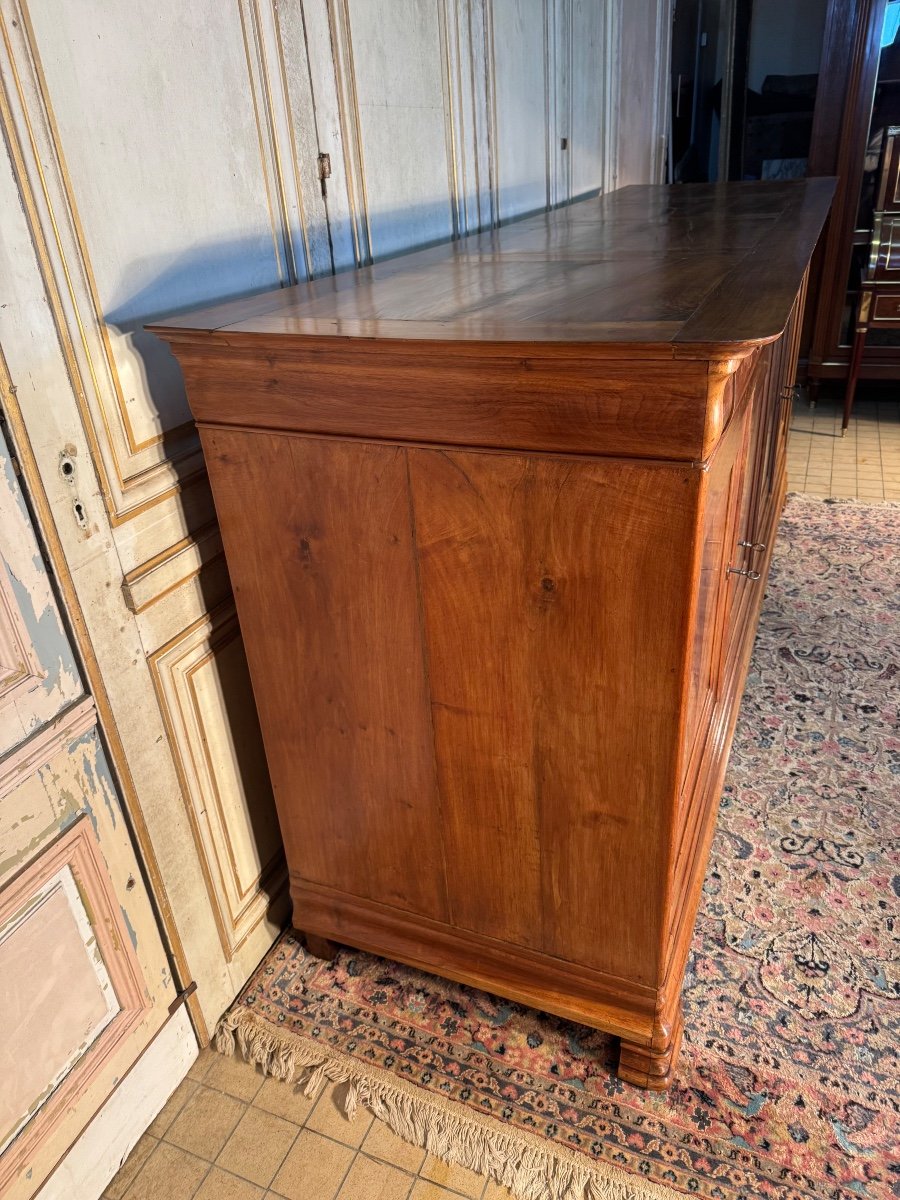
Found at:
<point>550,574</point>
<point>571,990</point>
<point>325,584</point>
<point>627,266</point>
<point>432,393</point>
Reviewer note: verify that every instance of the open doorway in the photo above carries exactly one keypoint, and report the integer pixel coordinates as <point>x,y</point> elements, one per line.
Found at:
<point>744,82</point>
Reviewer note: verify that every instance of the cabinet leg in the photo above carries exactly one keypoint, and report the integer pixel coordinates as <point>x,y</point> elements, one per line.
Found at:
<point>812,392</point>
<point>652,1066</point>
<point>320,947</point>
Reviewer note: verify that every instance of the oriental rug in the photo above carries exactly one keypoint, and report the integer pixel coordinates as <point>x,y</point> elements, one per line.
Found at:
<point>788,1080</point>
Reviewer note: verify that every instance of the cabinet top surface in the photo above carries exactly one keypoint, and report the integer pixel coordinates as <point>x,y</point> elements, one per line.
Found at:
<point>692,264</point>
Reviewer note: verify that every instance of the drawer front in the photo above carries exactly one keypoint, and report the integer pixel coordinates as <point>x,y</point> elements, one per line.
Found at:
<point>886,309</point>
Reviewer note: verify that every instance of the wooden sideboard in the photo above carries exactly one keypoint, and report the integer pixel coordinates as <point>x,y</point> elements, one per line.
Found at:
<point>498,517</point>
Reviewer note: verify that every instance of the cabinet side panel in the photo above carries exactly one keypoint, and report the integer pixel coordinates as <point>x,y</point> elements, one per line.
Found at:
<point>319,545</point>
<point>555,600</point>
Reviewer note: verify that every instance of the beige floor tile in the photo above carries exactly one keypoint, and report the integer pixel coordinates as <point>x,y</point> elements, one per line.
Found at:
<point>369,1179</point>
<point>202,1063</point>
<point>424,1189</point>
<point>284,1100</point>
<point>381,1142</point>
<point>130,1167</point>
<point>172,1107</point>
<point>258,1146</point>
<point>168,1174</point>
<point>843,491</point>
<point>205,1123</point>
<point>314,1169</point>
<point>458,1179</point>
<point>234,1076</point>
<point>219,1185</point>
<point>328,1118</point>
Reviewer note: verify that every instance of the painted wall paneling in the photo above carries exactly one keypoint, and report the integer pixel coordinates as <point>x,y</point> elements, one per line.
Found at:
<point>146,174</point>
<point>117,217</point>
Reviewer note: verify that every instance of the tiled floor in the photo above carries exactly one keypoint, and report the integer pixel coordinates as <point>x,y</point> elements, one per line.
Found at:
<point>864,463</point>
<point>229,1134</point>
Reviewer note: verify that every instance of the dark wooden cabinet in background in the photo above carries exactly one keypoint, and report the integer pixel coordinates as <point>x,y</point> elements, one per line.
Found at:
<point>498,517</point>
<point>858,100</point>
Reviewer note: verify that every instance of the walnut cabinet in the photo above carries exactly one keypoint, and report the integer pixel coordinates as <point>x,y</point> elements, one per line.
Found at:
<point>498,517</point>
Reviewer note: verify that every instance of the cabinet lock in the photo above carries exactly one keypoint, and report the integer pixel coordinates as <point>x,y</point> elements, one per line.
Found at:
<point>756,547</point>
<point>751,575</point>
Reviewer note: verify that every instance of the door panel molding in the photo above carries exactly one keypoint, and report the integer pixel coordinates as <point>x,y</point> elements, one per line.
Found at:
<point>28,756</point>
<point>73,868</point>
<point>228,825</point>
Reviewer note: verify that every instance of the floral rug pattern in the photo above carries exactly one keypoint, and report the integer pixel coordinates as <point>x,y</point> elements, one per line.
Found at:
<point>788,1079</point>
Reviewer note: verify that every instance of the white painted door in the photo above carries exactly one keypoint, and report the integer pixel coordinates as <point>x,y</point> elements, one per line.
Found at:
<point>84,980</point>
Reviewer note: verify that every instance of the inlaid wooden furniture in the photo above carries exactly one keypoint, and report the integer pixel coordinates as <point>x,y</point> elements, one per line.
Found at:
<point>879,289</point>
<point>498,517</point>
<point>858,97</point>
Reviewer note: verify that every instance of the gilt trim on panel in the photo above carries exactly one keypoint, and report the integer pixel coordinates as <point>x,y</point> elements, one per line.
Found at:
<point>351,135</point>
<point>134,474</point>
<point>296,135</point>
<point>552,86</point>
<point>237,908</point>
<point>269,112</point>
<point>662,97</point>
<point>612,37</point>
<point>490,69</point>
<point>454,132</point>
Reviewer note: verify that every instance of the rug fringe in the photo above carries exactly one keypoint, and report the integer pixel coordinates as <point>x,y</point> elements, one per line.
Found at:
<point>530,1170</point>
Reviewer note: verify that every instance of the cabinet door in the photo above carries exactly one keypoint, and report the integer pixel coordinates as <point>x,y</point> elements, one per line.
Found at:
<point>771,404</point>
<point>718,588</point>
